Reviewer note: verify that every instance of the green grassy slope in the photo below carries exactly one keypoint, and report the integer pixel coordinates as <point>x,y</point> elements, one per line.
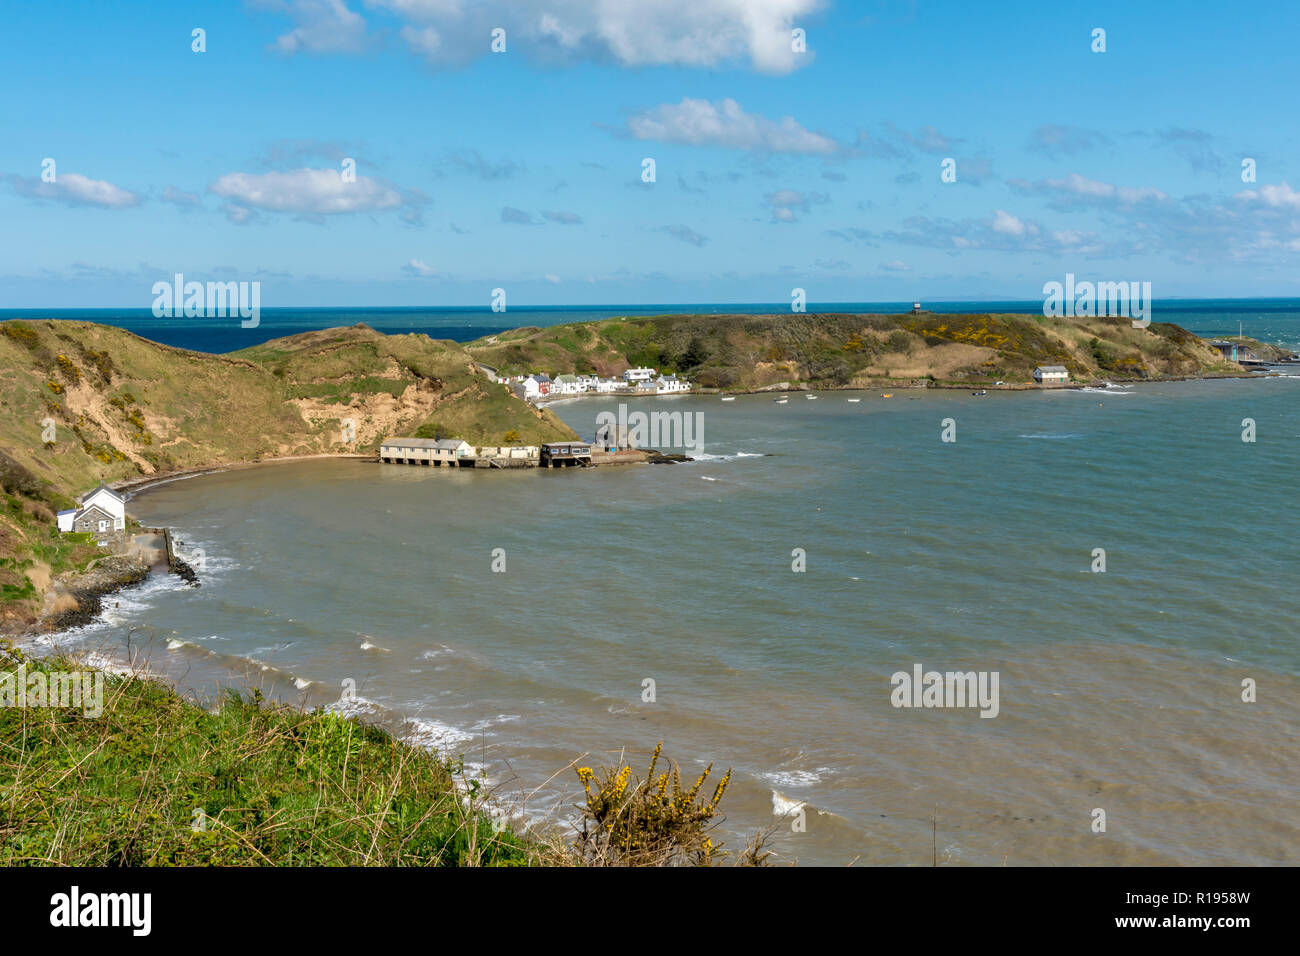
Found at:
<point>122,406</point>
<point>752,351</point>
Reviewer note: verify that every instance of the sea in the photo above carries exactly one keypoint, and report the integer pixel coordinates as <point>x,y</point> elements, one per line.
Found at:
<point>1119,559</point>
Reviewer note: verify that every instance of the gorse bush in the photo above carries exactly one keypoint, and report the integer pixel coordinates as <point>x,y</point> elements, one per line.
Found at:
<point>650,822</point>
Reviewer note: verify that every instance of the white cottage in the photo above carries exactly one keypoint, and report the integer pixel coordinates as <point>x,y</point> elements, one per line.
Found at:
<point>527,389</point>
<point>1051,375</point>
<point>568,385</point>
<point>101,511</point>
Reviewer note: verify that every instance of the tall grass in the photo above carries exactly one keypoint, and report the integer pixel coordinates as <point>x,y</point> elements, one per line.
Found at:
<point>158,780</point>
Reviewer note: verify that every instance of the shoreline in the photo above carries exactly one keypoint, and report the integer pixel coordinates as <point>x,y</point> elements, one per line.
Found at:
<point>914,383</point>
<point>131,487</point>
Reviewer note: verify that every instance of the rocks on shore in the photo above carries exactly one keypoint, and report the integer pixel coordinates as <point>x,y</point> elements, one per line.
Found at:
<point>185,572</point>
<point>77,599</point>
<point>659,458</point>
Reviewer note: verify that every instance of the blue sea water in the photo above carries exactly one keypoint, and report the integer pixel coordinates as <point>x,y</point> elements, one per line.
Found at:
<point>1270,320</point>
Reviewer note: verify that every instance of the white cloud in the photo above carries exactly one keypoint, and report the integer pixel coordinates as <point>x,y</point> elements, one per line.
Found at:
<point>552,278</point>
<point>1275,197</point>
<point>1094,189</point>
<point>75,189</point>
<point>1003,232</point>
<point>1009,225</point>
<point>784,202</point>
<point>418,267</point>
<point>695,33</point>
<point>323,26</point>
<point>308,192</point>
<point>726,124</point>
<point>928,140</point>
<point>239,215</point>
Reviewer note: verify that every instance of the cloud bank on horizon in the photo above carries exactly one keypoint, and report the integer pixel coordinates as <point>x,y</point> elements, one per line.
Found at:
<point>424,152</point>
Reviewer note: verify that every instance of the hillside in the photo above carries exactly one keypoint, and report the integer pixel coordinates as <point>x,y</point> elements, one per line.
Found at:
<point>118,406</point>
<point>741,352</point>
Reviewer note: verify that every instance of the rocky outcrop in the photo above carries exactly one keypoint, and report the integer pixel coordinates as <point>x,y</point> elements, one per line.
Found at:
<point>77,599</point>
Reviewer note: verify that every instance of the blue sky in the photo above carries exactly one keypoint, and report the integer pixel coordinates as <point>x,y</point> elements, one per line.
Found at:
<point>522,170</point>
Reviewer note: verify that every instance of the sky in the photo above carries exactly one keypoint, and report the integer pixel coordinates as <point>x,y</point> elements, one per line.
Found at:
<point>782,159</point>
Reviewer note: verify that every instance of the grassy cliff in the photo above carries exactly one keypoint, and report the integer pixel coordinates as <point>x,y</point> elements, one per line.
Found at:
<point>122,406</point>
<point>81,402</point>
<point>837,350</point>
<point>157,780</point>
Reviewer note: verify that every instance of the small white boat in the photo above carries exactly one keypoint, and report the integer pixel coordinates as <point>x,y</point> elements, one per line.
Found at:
<point>728,398</point>
<point>812,398</point>
<point>782,401</point>
<point>855,399</point>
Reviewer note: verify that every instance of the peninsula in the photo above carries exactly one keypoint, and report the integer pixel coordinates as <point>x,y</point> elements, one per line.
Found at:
<point>85,403</point>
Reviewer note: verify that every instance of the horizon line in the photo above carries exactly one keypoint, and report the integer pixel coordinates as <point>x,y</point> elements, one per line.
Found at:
<point>643,305</point>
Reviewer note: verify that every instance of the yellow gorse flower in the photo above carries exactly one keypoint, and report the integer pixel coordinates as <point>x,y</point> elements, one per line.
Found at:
<point>620,784</point>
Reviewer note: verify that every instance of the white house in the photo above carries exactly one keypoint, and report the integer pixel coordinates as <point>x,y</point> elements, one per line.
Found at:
<point>634,375</point>
<point>568,385</point>
<point>100,511</point>
<point>527,389</point>
<point>671,384</point>
<point>609,384</point>
<point>1051,374</point>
